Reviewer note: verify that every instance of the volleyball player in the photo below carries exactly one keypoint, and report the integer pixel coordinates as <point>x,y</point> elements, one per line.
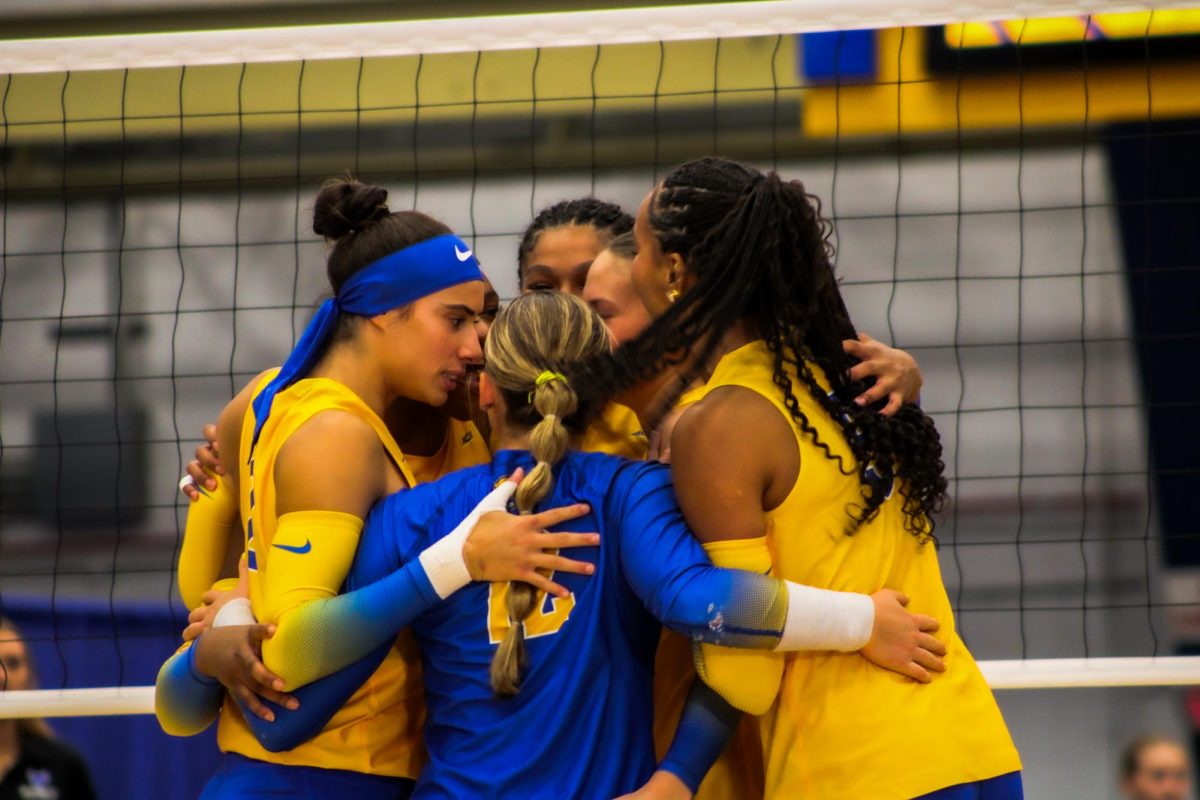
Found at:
<point>585,683</point>
<point>313,455</point>
<point>735,267</point>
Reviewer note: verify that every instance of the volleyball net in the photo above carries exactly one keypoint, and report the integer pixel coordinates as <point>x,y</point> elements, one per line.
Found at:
<point>1009,198</point>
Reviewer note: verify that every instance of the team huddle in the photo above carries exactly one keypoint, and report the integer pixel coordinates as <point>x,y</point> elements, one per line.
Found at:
<point>663,526</point>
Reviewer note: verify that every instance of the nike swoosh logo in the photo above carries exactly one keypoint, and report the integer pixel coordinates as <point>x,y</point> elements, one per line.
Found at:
<point>461,255</point>
<point>297,549</point>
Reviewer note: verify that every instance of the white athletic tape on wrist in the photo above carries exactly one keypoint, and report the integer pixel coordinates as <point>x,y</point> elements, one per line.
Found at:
<point>443,561</point>
<point>236,612</point>
<point>821,619</point>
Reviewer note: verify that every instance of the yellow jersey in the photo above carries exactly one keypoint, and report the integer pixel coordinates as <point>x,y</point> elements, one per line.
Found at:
<point>378,730</point>
<point>841,727</point>
<point>464,447</point>
<point>617,432</point>
<point>738,772</point>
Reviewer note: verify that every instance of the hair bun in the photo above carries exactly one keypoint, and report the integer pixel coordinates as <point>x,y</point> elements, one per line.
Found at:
<point>345,205</point>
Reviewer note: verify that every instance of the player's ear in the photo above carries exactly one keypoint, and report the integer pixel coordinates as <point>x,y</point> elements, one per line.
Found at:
<point>487,392</point>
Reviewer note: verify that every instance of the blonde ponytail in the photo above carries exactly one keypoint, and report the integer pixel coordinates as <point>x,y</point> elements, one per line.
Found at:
<point>534,335</point>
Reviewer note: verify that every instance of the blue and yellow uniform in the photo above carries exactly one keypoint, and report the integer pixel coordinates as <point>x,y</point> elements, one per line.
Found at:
<point>586,689</point>
<point>842,727</point>
<point>616,431</point>
<point>378,731</point>
<point>463,447</point>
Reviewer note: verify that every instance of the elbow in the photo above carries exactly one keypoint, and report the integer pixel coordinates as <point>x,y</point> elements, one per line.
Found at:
<point>747,680</point>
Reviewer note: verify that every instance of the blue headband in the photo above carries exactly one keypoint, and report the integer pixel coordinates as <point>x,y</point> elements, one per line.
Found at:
<point>393,281</point>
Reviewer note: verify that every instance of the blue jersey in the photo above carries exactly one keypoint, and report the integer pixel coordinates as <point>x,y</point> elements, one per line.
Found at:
<point>581,723</point>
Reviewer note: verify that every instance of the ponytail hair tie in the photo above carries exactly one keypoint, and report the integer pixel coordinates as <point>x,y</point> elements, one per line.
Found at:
<point>546,377</point>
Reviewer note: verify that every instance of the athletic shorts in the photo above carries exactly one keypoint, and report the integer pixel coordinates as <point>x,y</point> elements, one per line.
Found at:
<point>1004,787</point>
<point>240,777</point>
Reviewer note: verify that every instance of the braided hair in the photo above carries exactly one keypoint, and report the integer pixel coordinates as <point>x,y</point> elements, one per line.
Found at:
<point>759,251</point>
<point>608,219</point>
<point>534,336</point>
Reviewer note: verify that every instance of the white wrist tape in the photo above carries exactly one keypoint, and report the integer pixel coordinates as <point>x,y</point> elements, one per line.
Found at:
<point>443,560</point>
<point>821,619</point>
<point>236,612</point>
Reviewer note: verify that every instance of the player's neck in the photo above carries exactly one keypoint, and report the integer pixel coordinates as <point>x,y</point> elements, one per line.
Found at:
<point>510,438</point>
<point>740,334</point>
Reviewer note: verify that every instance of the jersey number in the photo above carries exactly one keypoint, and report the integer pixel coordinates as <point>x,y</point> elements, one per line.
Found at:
<point>549,614</point>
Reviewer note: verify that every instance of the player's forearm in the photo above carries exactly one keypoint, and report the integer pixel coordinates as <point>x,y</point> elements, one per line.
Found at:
<point>705,728</point>
<point>319,701</point>
<point>206,537</point>
<point>185,701</point>
<point>320,637</point>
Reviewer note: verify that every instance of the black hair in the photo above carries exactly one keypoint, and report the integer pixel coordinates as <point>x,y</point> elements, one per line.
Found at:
<point>609,220</point>
<point>355,218</point>
<point>760,254</point>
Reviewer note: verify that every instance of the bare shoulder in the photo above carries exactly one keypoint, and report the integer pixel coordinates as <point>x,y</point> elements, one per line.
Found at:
<point>229,426</point>
<point>333,462</point>
<point>729,418</point>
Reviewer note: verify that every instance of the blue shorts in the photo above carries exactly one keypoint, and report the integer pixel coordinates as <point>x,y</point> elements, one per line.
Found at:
<point>240,777</point>
<point>1004,787</point>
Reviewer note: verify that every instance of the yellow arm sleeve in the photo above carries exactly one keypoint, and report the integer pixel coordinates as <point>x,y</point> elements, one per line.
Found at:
<point>211,521</point>
<point>747,679</point>
<point>311,554</point>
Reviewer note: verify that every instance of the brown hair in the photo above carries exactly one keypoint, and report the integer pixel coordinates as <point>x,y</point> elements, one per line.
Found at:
<point>1131,756</point>
<point>538,333</point>
<point>34,726</point>
<point>623,247</point>
<point>355,219</point>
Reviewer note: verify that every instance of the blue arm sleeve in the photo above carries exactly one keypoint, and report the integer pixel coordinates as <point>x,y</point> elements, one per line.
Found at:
<point>362,622</point>
<point>674,578</point>
<point>319,701</point>
<point>185,701</point>
<point>705,728</point>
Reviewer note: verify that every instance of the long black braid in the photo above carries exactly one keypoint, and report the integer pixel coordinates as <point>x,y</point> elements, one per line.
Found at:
<point>609,220</point>
<point>760,253</point>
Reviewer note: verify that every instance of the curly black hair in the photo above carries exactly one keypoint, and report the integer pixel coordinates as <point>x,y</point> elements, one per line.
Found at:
<point>760,253</point>
<point>609,220</point>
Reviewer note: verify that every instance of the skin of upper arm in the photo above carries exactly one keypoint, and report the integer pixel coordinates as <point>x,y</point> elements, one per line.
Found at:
<point>229,428</point>
<point>728,464</point>
<point>333,462</point>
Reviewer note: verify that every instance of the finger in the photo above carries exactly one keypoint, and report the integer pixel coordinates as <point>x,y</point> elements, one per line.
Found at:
<point>863,370</point>
<point>193,631</point>
<point>540,581</point>
<point>929,661</point>
<point>855,350</point>
<point>209,432</point>
<point>197,472</point>
<point>280,699</point>
<point>875,393</point>
<point>196,614</point>
<point>208,459</point>
<point>563,541</point>
<point>559,564</point>
<point>895,401</point>
<point>548,519</point>
<point>211,596</point>
<point>251,703</point>
<point>865,338</point>
<point>266,679</point>
<point>260,631</point>
<point>924,623</point>
<point>916,672</point>
<point>935,646</point>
